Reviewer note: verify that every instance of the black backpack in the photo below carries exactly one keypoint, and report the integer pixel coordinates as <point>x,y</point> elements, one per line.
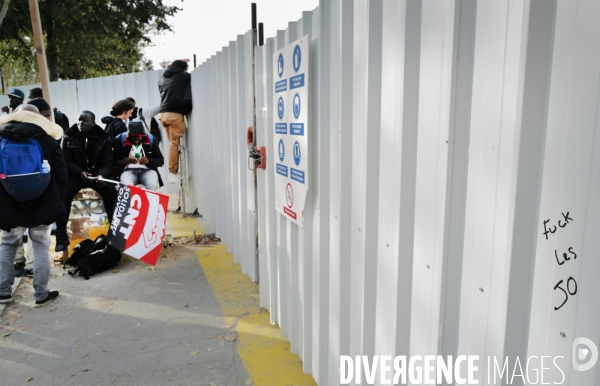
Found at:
<point>94,257</point>
<point>80,250</point>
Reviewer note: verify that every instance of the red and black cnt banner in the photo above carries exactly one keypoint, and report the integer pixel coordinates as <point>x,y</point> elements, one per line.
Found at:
<point>139,222</point>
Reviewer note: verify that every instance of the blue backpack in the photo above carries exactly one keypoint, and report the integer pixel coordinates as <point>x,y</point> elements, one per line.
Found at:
<point>21,171</point>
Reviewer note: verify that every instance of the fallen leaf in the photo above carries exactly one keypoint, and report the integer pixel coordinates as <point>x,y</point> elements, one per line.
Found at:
<point>28,379</point>
<point>85,355</point>
<point>187,344</point>
<point>85,370</point>
<point>52,309</point>
<point>116,271</point>
<point>5,335</point>
<point>23,356</point>
<point>207,366</point>
<point>220,337</point>
<point>192,353</point>
<point>231,337</point>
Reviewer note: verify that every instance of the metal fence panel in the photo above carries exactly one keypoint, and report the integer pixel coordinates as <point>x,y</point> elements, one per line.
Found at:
<point>441,140</point>
<point>64,97</point>
<point>428,149</point>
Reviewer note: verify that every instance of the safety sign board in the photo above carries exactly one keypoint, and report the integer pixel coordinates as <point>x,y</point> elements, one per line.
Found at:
<point>291,129</point>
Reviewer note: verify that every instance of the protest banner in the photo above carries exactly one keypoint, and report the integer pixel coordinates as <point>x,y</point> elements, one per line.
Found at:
<point>138,225</point>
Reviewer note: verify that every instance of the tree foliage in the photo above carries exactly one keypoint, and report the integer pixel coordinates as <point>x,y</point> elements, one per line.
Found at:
<point>85,38</point>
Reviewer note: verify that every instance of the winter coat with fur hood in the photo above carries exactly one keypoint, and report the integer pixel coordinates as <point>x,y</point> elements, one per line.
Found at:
<point>45,209</point>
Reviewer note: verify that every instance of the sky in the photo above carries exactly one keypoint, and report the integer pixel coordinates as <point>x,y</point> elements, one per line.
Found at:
<point>204,27</point>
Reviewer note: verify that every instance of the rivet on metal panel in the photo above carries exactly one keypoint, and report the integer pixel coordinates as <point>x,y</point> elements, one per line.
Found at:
<point>562,333</point>
<point>387,245</point>
<point>481,289</point>
<point>359,229</point>
<point>427,265</point>
<point>336,217</point>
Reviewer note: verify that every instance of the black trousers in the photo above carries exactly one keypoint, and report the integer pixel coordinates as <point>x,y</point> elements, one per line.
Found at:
<point>74,185</point>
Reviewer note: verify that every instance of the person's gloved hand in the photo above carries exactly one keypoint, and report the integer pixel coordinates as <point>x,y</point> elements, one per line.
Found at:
<point>5,109</point>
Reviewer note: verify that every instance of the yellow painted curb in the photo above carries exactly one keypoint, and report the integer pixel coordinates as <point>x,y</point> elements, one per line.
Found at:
<point>264,353</point>
<point>177,226</point>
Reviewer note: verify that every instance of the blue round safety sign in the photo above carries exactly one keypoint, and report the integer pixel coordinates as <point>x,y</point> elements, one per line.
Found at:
<point>280,108</point>
<point>280,65</point>
<point>281,150</point>
<point>297,58</point>
<point>297,153</point>
<point>296,106</point>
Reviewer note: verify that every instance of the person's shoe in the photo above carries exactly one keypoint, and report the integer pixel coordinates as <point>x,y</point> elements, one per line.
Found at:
<point>28,272</point>
<point>62,241</point>
<point>6,298</point>
<point>19,269</point>
<point>174,178</point>
<point>51,296</point>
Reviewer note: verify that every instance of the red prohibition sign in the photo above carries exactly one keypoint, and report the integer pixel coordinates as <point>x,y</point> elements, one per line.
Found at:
<point>289,195</point>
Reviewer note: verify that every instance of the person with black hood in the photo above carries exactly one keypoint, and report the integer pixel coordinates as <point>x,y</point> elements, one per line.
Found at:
<point>116,123</point>
<point>138,157</point>
<point>89,157</point>
<point>36,214</point>
<point>175,102</point>
<point>59,118</point>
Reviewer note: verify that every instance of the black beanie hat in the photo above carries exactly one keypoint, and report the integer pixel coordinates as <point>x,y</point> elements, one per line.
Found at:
<point>136,128</point>
<point>40,103</point>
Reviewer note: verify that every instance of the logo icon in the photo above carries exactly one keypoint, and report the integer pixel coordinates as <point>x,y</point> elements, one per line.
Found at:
<point>280,65</point>
<point>584,349</point>
<point>297,153</point>
<point>289,195</point>
<point>296,106</point>
<point>280,108</point>
<point>297,58</point>
<point>281,150</point>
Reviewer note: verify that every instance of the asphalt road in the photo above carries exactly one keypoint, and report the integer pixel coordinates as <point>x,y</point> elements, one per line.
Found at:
<point>131,326</point>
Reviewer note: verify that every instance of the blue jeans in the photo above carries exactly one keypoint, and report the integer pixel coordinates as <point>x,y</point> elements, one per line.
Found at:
<point>146,177</point>
<point>39,238</point>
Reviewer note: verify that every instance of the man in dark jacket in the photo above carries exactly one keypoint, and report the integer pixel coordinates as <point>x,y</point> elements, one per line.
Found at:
<point>138,157</point>
<point>15,98</point>
<point>175,102</point>
<point>59,118</point>
<point>88,154</point>
<point>37,214</point>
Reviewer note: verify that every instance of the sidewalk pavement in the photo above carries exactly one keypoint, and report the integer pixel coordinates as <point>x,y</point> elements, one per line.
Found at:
<point>194,320</point>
